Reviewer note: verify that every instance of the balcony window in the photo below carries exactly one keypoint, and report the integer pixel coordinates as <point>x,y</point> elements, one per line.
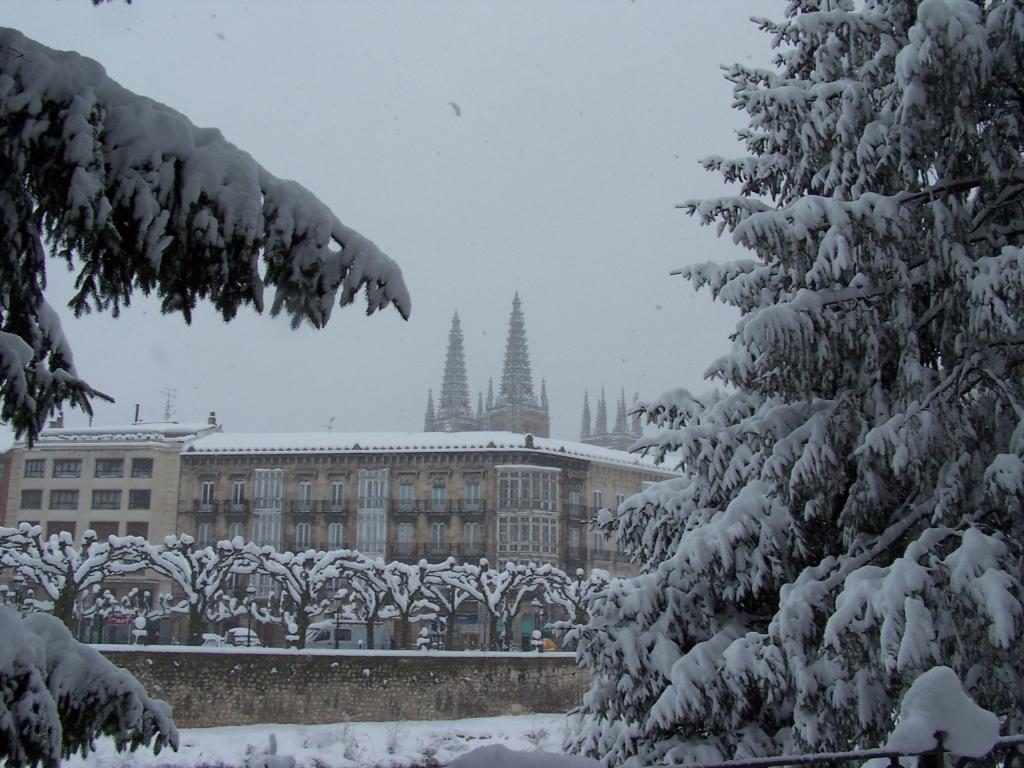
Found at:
<point>528,489</point>
<point>335,535</point>
<point>236,531</point>
<point>204,535</point>
<point>337,495</point>
<point>206,493</point>
<point>438,495</point>
<point>405,500</point>
<point>35,467</point>
<point>373,488</point>
<point>303,534</point>
<point>472,495</point>
<point>370,532</point>
<point>63,499</point>
<point>106,499</point>
<point>55,527</point>
<point>438,535</point>
<point>139,498</point>
<point>305,494</point>
<point>67,467</point>
<point>598,500</point>
<point>142,467</point>
<point>109,468</point>
<point>238,493</point>
<point>32,499</point>
<point>471,535</point>
<point>620,499</point>
<point>526,535</point>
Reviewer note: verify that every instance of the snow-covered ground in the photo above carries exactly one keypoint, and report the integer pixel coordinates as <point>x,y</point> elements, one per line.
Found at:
<point>355,745</point>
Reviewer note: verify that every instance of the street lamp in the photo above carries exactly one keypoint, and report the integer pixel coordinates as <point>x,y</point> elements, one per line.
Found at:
<point>250,595</point>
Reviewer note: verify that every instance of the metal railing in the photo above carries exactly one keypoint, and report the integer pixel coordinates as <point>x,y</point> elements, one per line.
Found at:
<point>933,758</point>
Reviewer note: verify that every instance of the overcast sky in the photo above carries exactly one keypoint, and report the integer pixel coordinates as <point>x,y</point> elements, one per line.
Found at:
<point>488,148</point>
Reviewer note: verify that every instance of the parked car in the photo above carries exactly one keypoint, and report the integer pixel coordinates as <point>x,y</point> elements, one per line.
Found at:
<point>321,634</point>
<point>237,636</point>
<point>211,640</point>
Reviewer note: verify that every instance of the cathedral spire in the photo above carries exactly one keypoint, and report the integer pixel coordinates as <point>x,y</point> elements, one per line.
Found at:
<point>490,395</point>
<point>585,427</point>
<point>621,427</point>
<point>638,431</point>
<point>454,401</point>
<point>428,421</point>
<point>479,406</point>
<point>516,378</point>
<point>544,395</point>
<point>601,422</point>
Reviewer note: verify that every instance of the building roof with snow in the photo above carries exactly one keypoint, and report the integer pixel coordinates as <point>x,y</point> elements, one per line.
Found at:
<point>141,432</point>
<point>412,442</point>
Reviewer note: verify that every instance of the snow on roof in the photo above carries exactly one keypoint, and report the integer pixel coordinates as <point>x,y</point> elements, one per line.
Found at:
<point>410,442</point>
<point>142,432</point>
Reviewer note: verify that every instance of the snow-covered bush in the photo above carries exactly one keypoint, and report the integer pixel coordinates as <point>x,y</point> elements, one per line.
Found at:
<point>57,696</point>
<point>133,197</point>
<point>850,513</point>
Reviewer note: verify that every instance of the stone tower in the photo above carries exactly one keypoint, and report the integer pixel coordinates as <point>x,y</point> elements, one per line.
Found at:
<point>621,436</point>
<point>516,408</point>
<point>453,413</point>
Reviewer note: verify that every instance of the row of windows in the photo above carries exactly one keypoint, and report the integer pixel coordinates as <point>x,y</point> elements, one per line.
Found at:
<point>138,498</point>
<point>101,468</point>
<point>103,528</point>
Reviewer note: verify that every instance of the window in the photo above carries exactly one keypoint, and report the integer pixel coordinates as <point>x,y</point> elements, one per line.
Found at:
<point>438,535</point>
<point>63,499</point>
<point>67,467</point>
<point>138,498</point>
<point>335,535</point>
<point>598,544</point>
<point>337,494</point>
<point>109,468</point>
<point>370,531</point>
<point>104,528</point>
<point>206,491</point>
<point>305,494</point>
<point>35,467</point>
<point>137,529</point>
<point>405,536</point>
<point>405,502</point>
<point>575,503</point>
<point>236,531</point>
<point>598,500</point>
<point>373,488</point>
<point>533,489</point>
<point>438,495</point>
<point>54,527</point>
<point>32,499</point>
<point>620,499</point>
<point>106,499</point>
<point>574,538</point>
<point>204,535</point>
<point>238,493</point>
<point>534,534</point>
<point>303,533</point>
<point>471,535</point>
<point>472,495</point>
<point>268,494</point>
<point>142,467</point>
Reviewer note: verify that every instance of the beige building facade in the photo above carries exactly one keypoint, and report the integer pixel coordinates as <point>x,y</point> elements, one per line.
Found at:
<point>409,496</point>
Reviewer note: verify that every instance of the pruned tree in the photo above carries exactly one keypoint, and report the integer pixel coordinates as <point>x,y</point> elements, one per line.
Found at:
<point>850,510</point>
<point>500,591</point>
<point>406,594</point>
<point>63,570</point>
<point>304,578</point>
<point>57,696</point>
<point>132,197</point>
<point>367,584</point>
<point>572,594</point>
<point>199,574</point>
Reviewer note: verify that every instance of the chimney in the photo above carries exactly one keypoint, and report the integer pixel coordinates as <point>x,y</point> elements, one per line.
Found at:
<point>212,418</point>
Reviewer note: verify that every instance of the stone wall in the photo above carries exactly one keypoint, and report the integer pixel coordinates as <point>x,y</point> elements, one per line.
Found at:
<point>243,687</point>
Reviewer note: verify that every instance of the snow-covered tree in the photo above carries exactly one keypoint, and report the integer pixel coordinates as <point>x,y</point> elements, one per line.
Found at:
<point>63,570</point>
<point>57,696</point>
<point>305,579</point>
<point>499,591</point>
<point>366,582</point>
<point>572,594</point>
<point>132,197</point>
<point>199,575</point>
<point>850,513</point>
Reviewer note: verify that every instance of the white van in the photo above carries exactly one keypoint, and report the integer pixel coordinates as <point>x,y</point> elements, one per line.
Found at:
<point>321,634</point>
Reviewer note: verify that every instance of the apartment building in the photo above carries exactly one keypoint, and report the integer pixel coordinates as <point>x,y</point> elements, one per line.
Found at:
<point>408,496</point>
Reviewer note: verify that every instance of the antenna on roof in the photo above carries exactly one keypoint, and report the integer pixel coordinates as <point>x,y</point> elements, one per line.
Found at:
<point>329,426</point>
<point>170,395</point>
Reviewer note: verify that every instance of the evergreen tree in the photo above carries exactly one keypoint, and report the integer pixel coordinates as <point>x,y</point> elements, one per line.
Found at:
<point>850,513</point>
<point>132,197</point>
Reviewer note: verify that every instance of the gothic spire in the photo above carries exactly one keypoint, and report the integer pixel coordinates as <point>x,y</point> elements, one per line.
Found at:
<point>601,422</point>
<point>516,379</point>
<point>585,427</point>
<point>544,395</point>
<point>490,395</point>
<point>454,400</point>
<point>479,406</point>
<point>428,421</point>
<point>621,427</point>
